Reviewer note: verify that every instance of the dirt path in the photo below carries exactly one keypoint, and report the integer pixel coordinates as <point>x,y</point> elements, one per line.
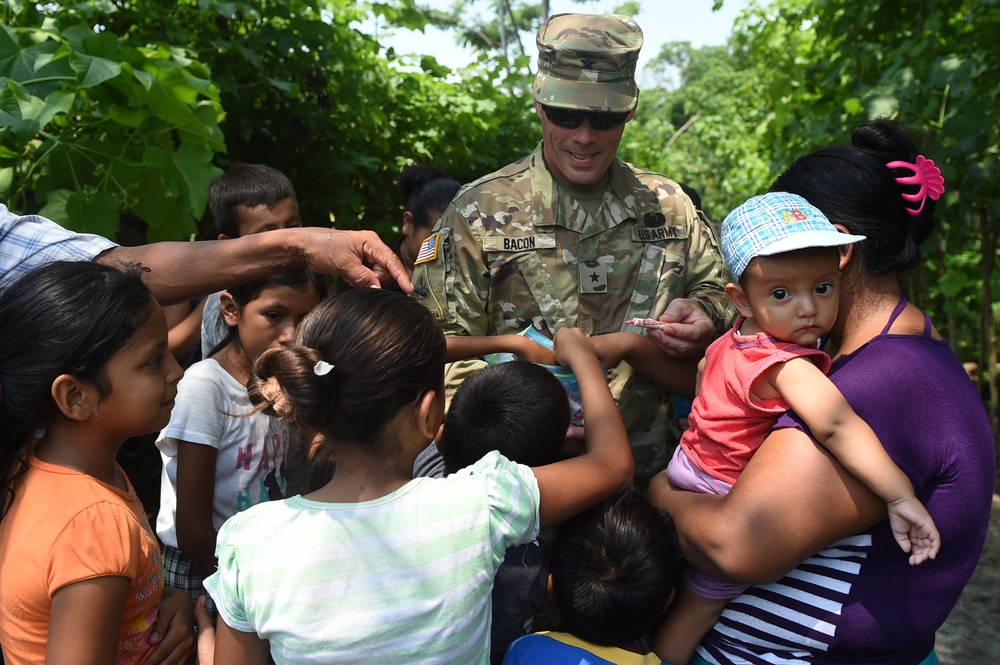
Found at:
<point>971,635</point>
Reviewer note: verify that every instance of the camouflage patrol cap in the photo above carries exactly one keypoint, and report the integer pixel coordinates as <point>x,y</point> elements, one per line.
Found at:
<point>587,61</point>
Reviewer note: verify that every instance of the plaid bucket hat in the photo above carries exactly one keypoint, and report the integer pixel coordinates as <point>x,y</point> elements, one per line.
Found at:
<point>775,223</point>
<point>587,62</point>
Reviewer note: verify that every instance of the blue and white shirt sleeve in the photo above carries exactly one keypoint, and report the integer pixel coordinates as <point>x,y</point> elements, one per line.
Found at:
<point>27,241</point>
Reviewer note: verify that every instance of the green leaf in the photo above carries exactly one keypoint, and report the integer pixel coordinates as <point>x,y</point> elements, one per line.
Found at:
<point>194,164</point>
<point>430,65</point>
<point>145,79</point>
<point>854,106</point>
<point>55,103</point>
<point>101,214</point>
<point>284,86</point>
<point>952,283</point>
<point>94,71</point>
<point>64,207</point>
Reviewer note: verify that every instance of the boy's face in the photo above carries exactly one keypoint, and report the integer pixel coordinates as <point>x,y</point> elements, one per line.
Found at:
<point>283,215</point>
<point>792,297</point>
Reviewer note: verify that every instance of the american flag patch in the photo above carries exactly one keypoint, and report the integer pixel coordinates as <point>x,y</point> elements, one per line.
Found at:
<point>428,249</point>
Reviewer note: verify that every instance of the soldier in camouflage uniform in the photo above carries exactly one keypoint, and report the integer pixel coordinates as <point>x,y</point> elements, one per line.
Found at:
<point>572,236</point>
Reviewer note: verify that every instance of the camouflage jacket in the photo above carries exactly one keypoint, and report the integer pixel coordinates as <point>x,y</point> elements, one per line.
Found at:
<point>514,249</point>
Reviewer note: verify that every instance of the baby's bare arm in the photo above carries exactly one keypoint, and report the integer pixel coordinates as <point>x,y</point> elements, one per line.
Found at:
<point>815,399</point>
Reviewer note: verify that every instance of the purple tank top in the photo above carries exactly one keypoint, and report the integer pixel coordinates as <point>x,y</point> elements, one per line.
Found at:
<point>859,600</point>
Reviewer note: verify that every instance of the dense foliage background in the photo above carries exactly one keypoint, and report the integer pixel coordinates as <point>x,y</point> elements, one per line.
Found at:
<point>115,115</point>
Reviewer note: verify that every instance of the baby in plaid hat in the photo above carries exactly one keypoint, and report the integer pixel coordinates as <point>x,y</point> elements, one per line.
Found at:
<point>785,258</point>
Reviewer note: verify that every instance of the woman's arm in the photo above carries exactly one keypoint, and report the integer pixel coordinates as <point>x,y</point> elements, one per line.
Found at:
<point>85,622</point>
<point>792,500</point>
<point>184,270</point>
<point>195,494</point>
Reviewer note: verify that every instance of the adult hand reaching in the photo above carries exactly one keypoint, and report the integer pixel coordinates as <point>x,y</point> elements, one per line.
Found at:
<point>183,270</point>
<point>689,330</point>
<point>360,257</point>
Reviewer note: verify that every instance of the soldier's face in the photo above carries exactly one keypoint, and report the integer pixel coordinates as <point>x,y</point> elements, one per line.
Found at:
<point>581,156</point>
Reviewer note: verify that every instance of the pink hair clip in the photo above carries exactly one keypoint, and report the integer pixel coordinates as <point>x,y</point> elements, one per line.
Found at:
<point>925,174</point>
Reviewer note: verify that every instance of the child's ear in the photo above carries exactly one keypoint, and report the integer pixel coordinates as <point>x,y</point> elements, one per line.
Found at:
<point>846,251</point>
<point>739,299</point>
<point>74,397</point>
<point>550,589</point>
<point>428,413</point>
<point>230,312</point>
<point>407,223</point>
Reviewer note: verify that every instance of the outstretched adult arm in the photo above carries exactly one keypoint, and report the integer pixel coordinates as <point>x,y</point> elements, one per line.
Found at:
<point>183,270</point>
<point>772,520</point>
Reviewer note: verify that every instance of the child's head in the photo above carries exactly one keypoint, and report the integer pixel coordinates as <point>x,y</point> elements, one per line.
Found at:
<point>84,327</point>
<point>252,198</point>
<point>264,313</point>
<point>518,408</point>
<point>784,257</point>
<point>427,191</point>
<point>614,569</point>
<point>360,358</point>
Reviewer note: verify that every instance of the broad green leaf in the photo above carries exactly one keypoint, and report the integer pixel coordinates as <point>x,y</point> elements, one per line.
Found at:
<point>93,70</point>
<point>101,214</point>
<point>55,103</point>
<point>64,207</point>
<point>194,164</point>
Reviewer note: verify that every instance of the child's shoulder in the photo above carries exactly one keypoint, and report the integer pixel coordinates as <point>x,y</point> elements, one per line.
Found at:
<point>207,368</point>
<point>208,377</point>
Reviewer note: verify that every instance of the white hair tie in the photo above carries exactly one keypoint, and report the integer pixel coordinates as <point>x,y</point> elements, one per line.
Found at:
<point>322,368</point>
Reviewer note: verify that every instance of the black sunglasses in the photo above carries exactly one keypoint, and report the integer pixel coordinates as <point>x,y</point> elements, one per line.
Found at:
<point>573,118</point>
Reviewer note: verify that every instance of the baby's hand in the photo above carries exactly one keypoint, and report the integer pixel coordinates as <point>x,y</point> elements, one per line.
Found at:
<point>570,344</point>
<point>914,530</point>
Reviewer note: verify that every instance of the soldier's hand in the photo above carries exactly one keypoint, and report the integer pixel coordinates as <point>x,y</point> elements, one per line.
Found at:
<point>689,332</point>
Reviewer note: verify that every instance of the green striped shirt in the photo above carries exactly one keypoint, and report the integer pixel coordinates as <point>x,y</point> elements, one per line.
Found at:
<point>405,577</point>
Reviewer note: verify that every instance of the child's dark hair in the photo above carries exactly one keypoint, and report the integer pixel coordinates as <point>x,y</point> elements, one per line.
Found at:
<point>246,293</point>
<point>614,568</point>
<point>245,186</point>
<point>385,351</point>
<point>518,408</point>
<point>426,189</point>
<point>64,317</point>
<point>853,187</point>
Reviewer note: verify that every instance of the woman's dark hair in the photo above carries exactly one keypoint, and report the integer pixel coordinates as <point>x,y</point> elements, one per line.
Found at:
<point>246,293</point>
<point>386,351</point>
<point>426,189</point>
<point>853,187</point>
<point>614,568</point>
<point>245,186</point>
<point>65,317</point>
